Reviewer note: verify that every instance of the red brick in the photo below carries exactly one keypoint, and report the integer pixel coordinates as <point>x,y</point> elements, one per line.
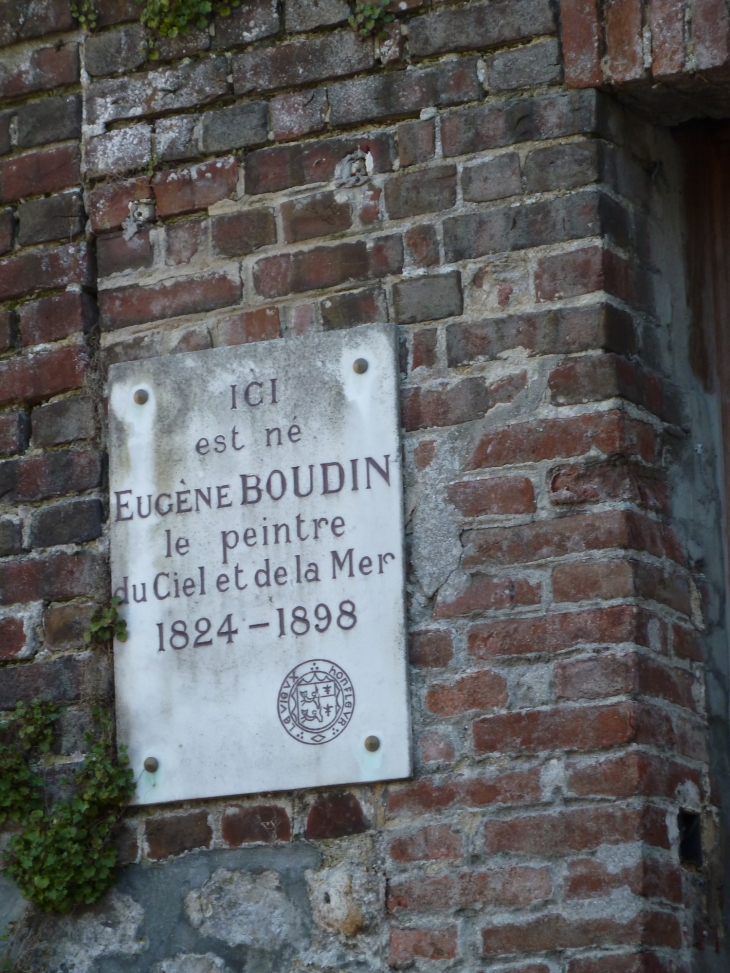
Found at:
<point>566,728</point>
<point>36,377</point>
<point>14,432</point>
<point>109,203</point>
<point>514,787</point>
<point>687,644</point>
<point>55,578</point>
<point>423,454</point>
<point>428,650</point>
<point>350,308</point>
<point>173,834</point>
<point>577,534</point>
<point>480,690</point>
<point>553,833</point>
<point>64,680</point>
<point>612,433</point>
<point>335,816</point>
<point>36,270</point>
<point>45,171</point>
<point>486,593</point>
<point>12,638</point>
<point>121,307</point>
<point>64,625</point>
<point>422,246</point>
<point>323,267</point>
<point>612,675</point>
<point>666,18</point>
<point>236,234</point>
<point>49,474</point>
<point>21,22</point>
<point>185,240</point>
<point>710,33</point>
<point>499,495</point>
<point>434,843</point>
<point>284,166</point>
<point>621,579</point>
<point>416,141</point>
<point>425,344</point>
<point>595,377</point>
<point>58,316</point>
<point>434,746</point>
<point>556,932</point>
<point>632,774</point>
<point>581,36</point>
<point>259,325</point>
<point>263,822</point>
<point>588,878</point>
<point>298,113</point>
<point>624,40</point>
<point>596,482</point>
<point>195,187</point>
<point>470,398</point>
<point>45,68</point>
<point>115,254</point>
<point>432,944</point>
<point>556,632</point>
<point>516,886</point>
<point>320,214</point>
<point>569,274</point>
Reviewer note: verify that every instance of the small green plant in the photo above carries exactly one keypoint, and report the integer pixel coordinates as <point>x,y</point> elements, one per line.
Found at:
<point>371,18</point>
<point>85,13</point>
<point>106,624</point>
<point>168,18</point>
<point>64,856</point>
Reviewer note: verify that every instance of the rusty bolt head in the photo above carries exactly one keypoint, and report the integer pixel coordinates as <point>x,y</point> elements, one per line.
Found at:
<point>151,764</point>
<point>360,365</point>
<point>141,396</point>
<point>372,743</point>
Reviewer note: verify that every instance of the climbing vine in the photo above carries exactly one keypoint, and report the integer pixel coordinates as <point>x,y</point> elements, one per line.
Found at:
<point>64,855</point>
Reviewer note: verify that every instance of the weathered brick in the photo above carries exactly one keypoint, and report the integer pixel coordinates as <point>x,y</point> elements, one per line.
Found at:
<point>284,166</point>
<point>236,234</point>
<point>525,67</point>
<point>483,690</point>
<point>109,203</point>
<point>197,187</point>
<point>335,816</point>
<point>625,674</point>
<point>259,325</point>
<point>555,632</point>
<point>237,127</point>
<point>311,216</point>
<point>173,834</point>
<point>622,579</point>
<point>53,218</point>
<point>36,377</point>
<point>12,639</point>
<point>115,254</point>
<point>177,138</point>
<point>470,398</point>
<point>347,310</point>
<point>7,329</point>
<point>298,113</point>
<point>121,307</point>
<point>54,578</point>
<point>422,245</point>
<point>478,26</point>
<point>308,14</point>
<point>65,680</point>
<point>245,24</point>
<point>57,316</point>
<point>44,171</point>
<point>613,433</point>
<point>7,230</point>
<point>623,27</point>
<point>407,945</point>
<point>581,43</point>
<point>64,625</point>
<point>45,68</point>
<point>513,787</point>
<point>416,141</point>
<point>428,298</point>
<point>49,120</point>
<point>302,62</point>
<point>63,421</point>
<point>565,166</point>
<point>433,843</point>
<point>327,266</point>
<point>710,33</point>
<point>533,224</point>
<point>183,241</point>
<point>430,649</point>
<point>112,12</point>
<point>14,432</point>
<point>516,886</point>
<point>496,496</point>
<point>487,594</point>
<point>631,774</point>
<point>6,118</point>
<point>401,93</point>
<point>11,538</point>
<point>121,150</point>
<point>120,50</point>
<point>262,822</point>
<point>495,178</point>
<point>166,89</point>
<point>49,475</point>
<point>21,21</point>
<point>67,523</point>
<point>423,191</point>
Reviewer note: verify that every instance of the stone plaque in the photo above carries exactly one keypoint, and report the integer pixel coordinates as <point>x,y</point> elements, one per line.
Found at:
<point>257,541</point>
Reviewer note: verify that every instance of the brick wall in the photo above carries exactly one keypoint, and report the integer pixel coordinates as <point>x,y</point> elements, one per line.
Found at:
<point>279,175</point>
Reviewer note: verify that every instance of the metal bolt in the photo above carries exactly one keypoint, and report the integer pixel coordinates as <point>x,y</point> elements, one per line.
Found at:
<point>141,396</point>
<point>360,365</point>
<point>151,764</point>
<point>372,743</point>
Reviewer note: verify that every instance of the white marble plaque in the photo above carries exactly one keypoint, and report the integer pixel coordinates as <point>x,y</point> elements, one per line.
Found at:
<point>257,540</point>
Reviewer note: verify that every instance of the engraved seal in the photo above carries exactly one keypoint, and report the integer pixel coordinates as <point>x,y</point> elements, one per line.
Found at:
<point>316,701</point>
